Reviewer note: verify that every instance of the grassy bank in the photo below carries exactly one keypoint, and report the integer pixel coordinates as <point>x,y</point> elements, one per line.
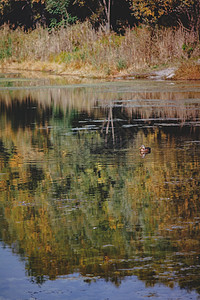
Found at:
<point>79,49</point>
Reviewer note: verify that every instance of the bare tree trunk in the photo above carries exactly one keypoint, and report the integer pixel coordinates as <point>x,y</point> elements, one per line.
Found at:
<point>107,9</point>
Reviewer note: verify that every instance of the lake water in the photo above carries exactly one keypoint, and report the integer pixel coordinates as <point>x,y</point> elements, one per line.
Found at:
<point>83,215</point>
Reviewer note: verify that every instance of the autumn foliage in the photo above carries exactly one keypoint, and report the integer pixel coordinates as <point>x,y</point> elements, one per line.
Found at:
<point>115,14</point>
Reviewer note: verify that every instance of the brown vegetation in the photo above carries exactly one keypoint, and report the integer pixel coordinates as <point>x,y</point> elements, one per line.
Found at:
<point>79,49</point>
<point>188,70</point>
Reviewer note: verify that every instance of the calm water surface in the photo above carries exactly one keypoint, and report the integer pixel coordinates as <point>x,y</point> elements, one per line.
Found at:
<point>82,214</point>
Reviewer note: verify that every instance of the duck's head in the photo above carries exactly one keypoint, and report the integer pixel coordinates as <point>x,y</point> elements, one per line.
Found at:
<point>145,150</point>
<point>142,147</point>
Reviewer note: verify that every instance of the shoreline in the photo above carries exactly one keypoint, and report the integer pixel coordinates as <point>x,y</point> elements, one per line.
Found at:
<point>45,70</point>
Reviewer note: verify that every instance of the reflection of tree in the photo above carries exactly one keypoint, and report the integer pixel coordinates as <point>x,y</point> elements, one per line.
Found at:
<point>137,98</point>
<point>66,208</point>
<point>108,121</point>
<point>4,154</point>
<point>26,113</point>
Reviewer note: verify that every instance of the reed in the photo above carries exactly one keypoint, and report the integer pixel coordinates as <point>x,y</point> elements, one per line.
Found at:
<point>79,48</point>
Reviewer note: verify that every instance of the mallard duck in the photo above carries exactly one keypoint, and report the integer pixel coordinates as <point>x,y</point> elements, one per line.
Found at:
<point>145,150</point>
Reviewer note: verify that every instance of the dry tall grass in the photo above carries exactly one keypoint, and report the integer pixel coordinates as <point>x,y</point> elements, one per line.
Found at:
<point>81,47</point>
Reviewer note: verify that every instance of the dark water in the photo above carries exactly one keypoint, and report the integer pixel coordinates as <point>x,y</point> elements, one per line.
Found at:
<point>82,214</point>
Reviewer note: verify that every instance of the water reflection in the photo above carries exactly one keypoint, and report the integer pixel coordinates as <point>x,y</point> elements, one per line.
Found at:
<point>75,194</point>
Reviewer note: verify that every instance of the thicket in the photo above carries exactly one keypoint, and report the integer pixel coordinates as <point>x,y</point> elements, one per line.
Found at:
<point>81,46</point>
<point>99,35</point>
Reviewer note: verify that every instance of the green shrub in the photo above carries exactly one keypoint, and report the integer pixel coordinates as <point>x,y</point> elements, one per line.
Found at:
<point>59,15</point>
<point>63,57</point>
<point>188,49</point>
<point>5,48</point>
<point>121,64</point>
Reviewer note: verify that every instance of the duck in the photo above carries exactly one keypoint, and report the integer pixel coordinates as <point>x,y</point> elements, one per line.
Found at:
<point>145,150</point>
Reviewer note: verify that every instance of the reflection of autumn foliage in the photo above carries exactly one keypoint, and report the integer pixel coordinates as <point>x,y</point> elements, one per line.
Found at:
<point>70,205</point>
<point>136,102</point>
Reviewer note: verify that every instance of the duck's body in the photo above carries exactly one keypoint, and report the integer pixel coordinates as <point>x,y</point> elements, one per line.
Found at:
<point>145,150</point>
